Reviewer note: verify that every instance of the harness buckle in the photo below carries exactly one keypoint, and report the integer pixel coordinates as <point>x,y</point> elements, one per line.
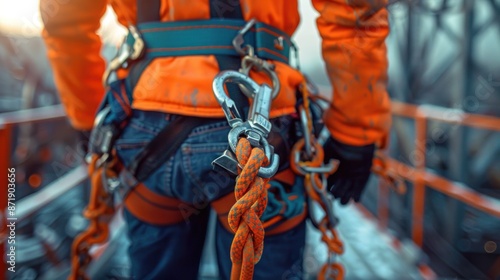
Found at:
<point>138,46</point>
<point>126,53</point>
<point>111,184</point>
<point>238,41</point>
<point>102,138</point>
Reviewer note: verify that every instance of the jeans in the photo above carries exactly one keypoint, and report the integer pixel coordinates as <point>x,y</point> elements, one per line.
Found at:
<point>174,251</point>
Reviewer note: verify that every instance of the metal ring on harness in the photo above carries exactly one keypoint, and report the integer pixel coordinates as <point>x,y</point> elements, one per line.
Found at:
<point>259,64</point>
<point>264,171</point>
<point>126,53</point>
<point>104,148</point>
<point>238,41</point>
<point>296,161</point>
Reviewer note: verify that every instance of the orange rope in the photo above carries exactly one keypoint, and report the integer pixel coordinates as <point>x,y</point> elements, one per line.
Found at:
<point>98,212</point>
<point>244,217</point>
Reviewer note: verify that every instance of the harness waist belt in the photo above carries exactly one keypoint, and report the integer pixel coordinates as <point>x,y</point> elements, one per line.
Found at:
<point>211,37</point>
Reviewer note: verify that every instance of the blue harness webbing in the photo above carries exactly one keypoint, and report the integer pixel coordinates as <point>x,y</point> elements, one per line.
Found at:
<point>211,37</point>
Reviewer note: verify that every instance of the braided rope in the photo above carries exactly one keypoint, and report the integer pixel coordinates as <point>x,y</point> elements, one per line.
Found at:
<point>244,217</point>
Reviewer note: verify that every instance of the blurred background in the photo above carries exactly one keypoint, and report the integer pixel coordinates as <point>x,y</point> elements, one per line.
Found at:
<point>445,83</point>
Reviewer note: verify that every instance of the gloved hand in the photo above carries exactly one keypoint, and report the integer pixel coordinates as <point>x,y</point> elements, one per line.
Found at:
<point>351,177</point>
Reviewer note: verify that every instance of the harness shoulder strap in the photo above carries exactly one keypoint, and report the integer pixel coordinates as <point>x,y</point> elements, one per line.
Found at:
<point>230,9</point>
<point>164,145</point>
<point>147,11</point>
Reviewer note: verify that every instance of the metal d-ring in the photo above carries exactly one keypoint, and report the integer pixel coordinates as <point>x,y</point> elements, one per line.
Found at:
<point>242,130</point>
<point>250,62</point>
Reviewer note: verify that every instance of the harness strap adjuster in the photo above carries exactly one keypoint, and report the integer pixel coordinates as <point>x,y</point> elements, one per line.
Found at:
<point>127,182</point>
<point>131,49</point>
<point>138,45</point>
<point>238,40</point>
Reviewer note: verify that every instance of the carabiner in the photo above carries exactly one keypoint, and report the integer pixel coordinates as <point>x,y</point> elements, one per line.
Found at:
<point>104,150</point>
<point>125,54</point>
<point>255,129</point>
<point>230,110</point>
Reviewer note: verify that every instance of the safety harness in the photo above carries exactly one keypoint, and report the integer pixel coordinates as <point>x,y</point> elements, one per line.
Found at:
<point>236,44</point>
<point>228,40</point>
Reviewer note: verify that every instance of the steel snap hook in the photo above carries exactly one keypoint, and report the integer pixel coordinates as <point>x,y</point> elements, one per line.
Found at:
<point>233,116</point>
<point>256,128</point>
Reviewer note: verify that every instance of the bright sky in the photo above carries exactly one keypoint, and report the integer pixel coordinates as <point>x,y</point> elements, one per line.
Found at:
<point>22,17</point>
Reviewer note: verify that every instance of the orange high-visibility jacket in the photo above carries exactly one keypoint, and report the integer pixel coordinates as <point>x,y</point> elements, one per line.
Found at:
<point>353,34</point>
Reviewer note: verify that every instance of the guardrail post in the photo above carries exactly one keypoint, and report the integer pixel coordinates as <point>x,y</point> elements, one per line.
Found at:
<point>5,133</point>
<point>418,182</point>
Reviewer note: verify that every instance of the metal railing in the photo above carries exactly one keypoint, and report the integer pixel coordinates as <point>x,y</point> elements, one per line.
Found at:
<point>30,204</point>
<point>423,178</point>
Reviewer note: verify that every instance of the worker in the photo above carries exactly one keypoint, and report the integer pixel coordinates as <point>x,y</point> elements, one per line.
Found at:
<point>164,89</point>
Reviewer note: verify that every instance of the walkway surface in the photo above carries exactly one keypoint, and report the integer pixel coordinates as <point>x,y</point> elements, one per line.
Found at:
<point>369,253</point>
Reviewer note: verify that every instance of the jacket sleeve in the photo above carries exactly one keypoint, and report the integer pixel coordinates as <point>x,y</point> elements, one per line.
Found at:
<point>353,36</point>
<point>73,49</point>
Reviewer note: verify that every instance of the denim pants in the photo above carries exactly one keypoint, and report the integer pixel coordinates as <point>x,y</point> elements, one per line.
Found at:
<point>174,251</point>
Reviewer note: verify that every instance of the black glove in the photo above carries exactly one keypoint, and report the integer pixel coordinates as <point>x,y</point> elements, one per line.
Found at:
<point>354,170</point>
